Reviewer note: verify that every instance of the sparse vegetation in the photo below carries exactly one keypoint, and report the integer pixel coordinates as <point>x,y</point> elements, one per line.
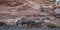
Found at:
<point>51,25</point>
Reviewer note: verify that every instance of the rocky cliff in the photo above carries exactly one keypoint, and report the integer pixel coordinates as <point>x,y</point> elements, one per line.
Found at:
<point>16,9</point>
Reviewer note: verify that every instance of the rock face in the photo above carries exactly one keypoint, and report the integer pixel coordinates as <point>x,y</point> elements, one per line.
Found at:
<point>15,9</point>
<point>18,7</point>
<point>21,8</point>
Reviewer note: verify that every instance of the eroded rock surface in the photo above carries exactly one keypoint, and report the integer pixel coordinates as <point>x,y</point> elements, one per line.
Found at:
<point>16,9</point>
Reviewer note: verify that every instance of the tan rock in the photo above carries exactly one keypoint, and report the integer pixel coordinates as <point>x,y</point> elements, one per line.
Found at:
<point>10,0</point>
